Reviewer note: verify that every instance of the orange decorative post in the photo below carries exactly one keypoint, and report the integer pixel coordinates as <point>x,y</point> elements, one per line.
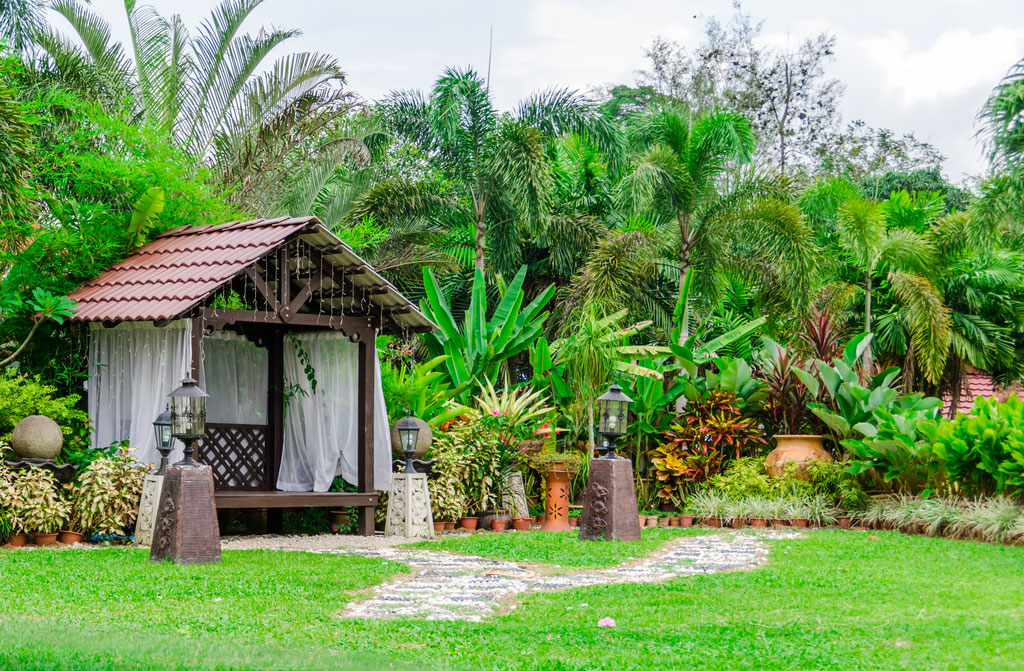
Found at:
<point>556,498</point>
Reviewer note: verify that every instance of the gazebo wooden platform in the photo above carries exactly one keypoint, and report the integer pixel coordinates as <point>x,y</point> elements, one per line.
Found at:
<point>265,279</point>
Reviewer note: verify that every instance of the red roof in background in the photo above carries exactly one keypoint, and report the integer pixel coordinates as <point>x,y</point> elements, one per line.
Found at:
<point>975,385</point>
<point>178,269</point>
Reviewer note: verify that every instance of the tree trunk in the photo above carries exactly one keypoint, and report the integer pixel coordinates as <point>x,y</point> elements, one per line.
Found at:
<point>867,321</point>
<point>480,244</point>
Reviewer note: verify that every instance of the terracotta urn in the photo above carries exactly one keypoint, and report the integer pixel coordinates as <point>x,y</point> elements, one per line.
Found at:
<point>799,450</point>
<point>37,437</point>
<point>556,498</point>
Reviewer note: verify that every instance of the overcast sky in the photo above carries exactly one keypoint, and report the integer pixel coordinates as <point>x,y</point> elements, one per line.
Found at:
<point>921,66</point>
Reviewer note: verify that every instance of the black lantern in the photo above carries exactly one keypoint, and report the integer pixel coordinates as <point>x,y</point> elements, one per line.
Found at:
<point>408,434</point>
<point>613,417</point>
<point>188,415</point>
<point>162,428</point>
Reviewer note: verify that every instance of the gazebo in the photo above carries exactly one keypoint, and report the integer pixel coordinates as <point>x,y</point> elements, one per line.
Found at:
<point>277,320</point>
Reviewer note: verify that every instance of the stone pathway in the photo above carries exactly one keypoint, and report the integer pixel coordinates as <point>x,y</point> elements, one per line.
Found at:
<point>445,586</point>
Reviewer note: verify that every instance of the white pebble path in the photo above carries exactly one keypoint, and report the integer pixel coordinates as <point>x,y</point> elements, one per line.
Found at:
<point>446,586</point>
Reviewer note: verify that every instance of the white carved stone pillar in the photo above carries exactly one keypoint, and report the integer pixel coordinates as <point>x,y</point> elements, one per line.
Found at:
<point>151,488</point>
<point>409,512</point>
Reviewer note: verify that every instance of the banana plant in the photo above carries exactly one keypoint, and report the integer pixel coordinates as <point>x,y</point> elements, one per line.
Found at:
<point>476,348</point>
<point>429,395</point>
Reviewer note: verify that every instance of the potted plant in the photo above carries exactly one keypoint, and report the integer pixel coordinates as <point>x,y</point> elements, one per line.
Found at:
<point>499,523</point>
<point>574,516</point>
<point>38,505</point>
<point>760,510</point>
<point>820,511</point>
<point>521,523</point>
<point>469,522</point>
<point>557,469</point>
<point>798,513</point>
<point>106,498</point>
<point>708,506</point>
<point>778,513</point>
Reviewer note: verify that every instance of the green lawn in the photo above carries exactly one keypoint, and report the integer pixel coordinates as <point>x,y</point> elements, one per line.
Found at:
<point>832,601</point>
<point>561,549</point>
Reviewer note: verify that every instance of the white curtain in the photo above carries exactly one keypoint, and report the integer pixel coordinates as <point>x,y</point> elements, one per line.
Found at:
<point>235,373</point>
<point>320,427</point>
<point>133,367</point>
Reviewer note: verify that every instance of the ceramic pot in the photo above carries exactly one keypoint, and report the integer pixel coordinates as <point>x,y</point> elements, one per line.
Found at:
<point>521,523</point>
<point>779,524</point>
<point>642,519</point>
<point>574,521</point>
<point>799,522</point>
<point>715,522</point>
<point>339,518</point>
<point>45,539</point>
<point>498,524</point>
<point>652,521</point>
<point>662,521</point>
<point>758,523</point>
<point>438,527</point>
<point>17,540</point>
<point>449,526</point>
<point>70,537</point>
<point>556,498</point>
<point>469,523</point>
<point>673,521</point>
<point>686,520</point>
<point>799,450</point>
<point>844,522</point>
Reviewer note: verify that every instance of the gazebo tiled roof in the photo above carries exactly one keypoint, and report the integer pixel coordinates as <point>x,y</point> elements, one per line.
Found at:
<point>181,268</point>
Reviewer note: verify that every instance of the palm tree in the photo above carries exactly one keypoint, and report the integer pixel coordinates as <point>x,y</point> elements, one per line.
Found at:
<point>1003,118</point>
<point>214,93</point>
<point>20,21</point>
<point>684,171</point>
<point>497,165</point>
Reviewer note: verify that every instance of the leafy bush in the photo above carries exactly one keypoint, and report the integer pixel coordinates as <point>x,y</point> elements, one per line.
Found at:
<point>983,452</point>
<point>23,396</point>
<point>106,497</point>
<point>34,503</point>
<point>891,446</point>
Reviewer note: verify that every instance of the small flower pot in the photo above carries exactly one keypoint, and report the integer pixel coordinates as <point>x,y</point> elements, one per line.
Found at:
<point>469,523</point>
<point>844,522</point>
<point>438,527</point>
<point>779,524</point>
<point>17,540</point>
<point>449,526</point>
<point>339,518</point>
<point>686,520</point>
<point>738,523</point>
<point>498,525</point>
<point>651,522</point>
<point>715,522</point>
<point>69,537</point>
<point>758,523</point>
<point>673,521</point>
<point>541,519</point>
<point>574,521</point>
<point>45,539</point>
<point>642,519</point>
<point>798,522</point>
<point>521,523</point>
<point>662,521</point>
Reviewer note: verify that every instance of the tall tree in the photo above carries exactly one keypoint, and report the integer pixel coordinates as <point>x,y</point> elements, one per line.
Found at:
<point>680,172</point>
<point>498,164</point>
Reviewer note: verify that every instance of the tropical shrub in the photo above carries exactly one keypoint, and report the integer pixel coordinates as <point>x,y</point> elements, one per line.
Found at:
<point>22,396</point>
<point>891,445</point>
<point>478,346</point>
<point>106,496</point>
<point>983,452</point>
<point>34,501</point>
<point>419,389</point>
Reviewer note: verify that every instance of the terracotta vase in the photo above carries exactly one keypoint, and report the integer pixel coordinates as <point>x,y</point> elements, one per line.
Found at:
<point>799,450</point>
<point>521,523</point>
<point>469,523</point>
<point>715,522</point>
<point>438,527</point>
<point>69,537</point>
<point>17,540</point>
<point>449,526</point>
<point>45,539</point>
<point>498,524</point>
<point>556,499</point>
<point>642,519</point>
<point>686,520</point>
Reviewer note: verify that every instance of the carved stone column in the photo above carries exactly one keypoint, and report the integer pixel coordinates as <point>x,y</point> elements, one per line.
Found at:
<point>146,520</point>
<point>409,513</point>
<point>516,492</point>
<point>186,529</point>
<point>609,508</point>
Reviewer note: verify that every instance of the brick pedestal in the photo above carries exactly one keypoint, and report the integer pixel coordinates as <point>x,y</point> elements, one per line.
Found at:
<point>186,530</point>
<point>609,508</point>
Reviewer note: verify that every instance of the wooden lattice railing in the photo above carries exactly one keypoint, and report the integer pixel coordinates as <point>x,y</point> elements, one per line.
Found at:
<point>237,453</point>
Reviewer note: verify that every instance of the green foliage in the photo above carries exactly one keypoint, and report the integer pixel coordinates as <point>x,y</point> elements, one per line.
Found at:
<point>477,348</point>
<point>105,498</point>
<point>306,521</point>
<point>22,396</point>
<point>32,500</point>
<point>891,444</point>
<point>144,214</point>
<point>983,453</point>
<point>417,388</point>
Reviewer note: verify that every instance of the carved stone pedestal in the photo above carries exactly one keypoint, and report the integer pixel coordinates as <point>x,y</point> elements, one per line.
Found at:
<point>186,530</point>
<point>609,508</point>
<point>146,519</point>
<point>409,513</point>
<point>515,496</point>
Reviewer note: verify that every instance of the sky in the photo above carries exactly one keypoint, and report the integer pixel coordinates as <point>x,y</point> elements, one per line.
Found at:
<point>921,66</point>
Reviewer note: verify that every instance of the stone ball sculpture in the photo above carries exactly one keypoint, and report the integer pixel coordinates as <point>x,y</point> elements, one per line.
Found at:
<point>423,439</point>
<point>37,437</point>
<point>799,450</point>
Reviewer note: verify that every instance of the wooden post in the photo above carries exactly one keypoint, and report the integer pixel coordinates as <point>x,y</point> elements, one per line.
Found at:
<point>275,411</point>
<point>365,412</point>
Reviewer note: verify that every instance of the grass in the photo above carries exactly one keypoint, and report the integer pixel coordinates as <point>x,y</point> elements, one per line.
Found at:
<point>836,600</point>
<point>560,548</point>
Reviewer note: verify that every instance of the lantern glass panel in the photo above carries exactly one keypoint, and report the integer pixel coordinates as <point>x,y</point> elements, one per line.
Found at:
<point>163,434</point>
<point>188,416</point>
<point>408,438</point>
